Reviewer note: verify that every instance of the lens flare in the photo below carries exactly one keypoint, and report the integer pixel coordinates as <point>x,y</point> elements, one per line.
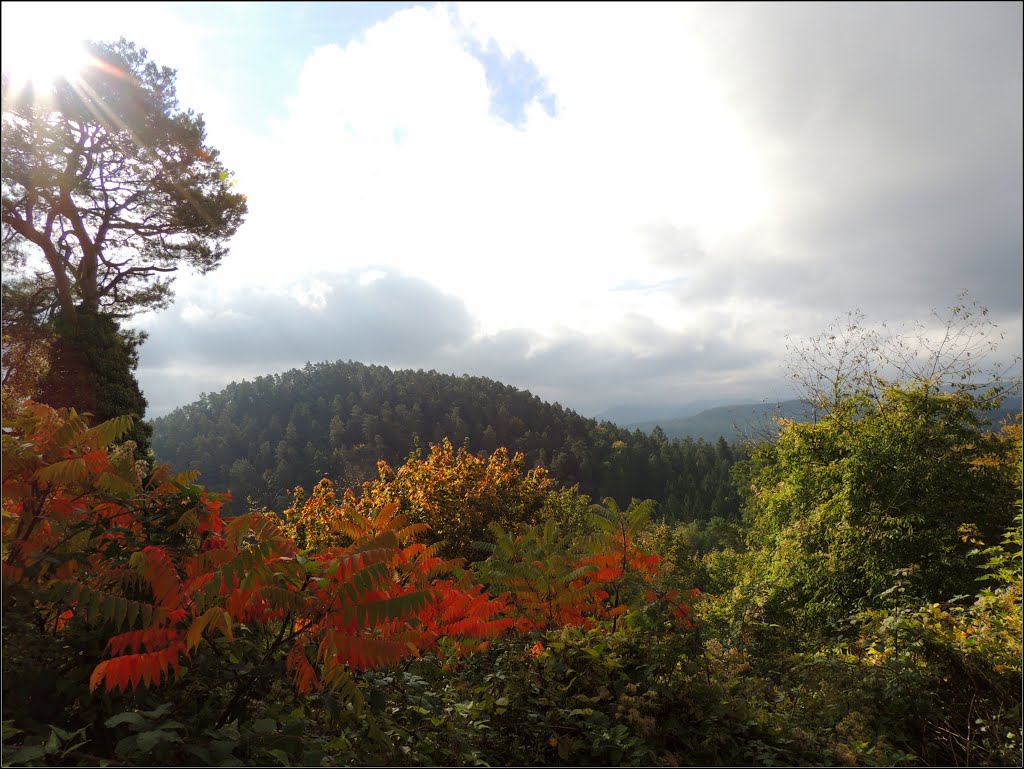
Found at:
<point>35,54</point>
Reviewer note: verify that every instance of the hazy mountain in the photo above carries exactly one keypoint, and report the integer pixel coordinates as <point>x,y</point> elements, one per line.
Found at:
<point>631,415</point>
<point>754,421</point>
<point>740,422</point>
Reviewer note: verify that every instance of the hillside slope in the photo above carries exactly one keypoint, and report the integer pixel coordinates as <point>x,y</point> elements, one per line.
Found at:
<point>260,439</point>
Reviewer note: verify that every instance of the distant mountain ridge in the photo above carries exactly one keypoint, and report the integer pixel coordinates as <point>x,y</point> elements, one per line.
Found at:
<point>740,422</point>
<point>755,421</point>
<point>631,415</point>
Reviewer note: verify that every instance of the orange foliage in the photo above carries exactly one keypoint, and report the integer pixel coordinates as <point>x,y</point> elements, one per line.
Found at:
<point>90,540</point>
<point>458,493</point>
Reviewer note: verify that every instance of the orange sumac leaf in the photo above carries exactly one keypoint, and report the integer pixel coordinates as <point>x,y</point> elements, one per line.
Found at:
<point>162,575</point>
<point>131,670</point>
<point>302,671</point>
<point>148,640</point>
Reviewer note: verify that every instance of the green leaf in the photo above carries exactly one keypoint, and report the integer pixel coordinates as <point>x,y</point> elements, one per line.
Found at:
<point>199,752</point>
<point>563,748</point>
<point>23,756</point>
<point>105,433</point>
<point>131,613</point>
<point>53,741</point>
<point>125,746</point>
<point>195,633</point>
<point>115,485</point>
<point>92,611</point>
<point>110,607</point>
<point>158,712</point>
<point>64,472</point>
<point>148,740</point>
<point>280,755</point>
<point>131,718</point>
<point>264,726</point>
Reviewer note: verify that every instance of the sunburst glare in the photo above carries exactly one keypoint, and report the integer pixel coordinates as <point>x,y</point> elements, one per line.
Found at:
<point>37,54</point>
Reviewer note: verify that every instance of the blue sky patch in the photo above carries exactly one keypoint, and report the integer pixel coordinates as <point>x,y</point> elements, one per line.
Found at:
<point>514,82</point>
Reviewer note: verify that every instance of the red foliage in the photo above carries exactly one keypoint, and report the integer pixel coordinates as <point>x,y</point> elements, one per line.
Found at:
<point>82,533</point>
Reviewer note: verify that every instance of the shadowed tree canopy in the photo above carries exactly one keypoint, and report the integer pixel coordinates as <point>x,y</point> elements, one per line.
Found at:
<point>107,179</point>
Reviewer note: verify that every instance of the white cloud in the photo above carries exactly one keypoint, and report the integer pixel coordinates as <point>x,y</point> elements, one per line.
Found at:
<point>194,314</point>
<point>370,276</point>
<point>720,174</point>
<point>313,295</point>
<point>529,225</point>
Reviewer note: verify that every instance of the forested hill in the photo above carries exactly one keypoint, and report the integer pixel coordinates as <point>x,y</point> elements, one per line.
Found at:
<point>262,438</point>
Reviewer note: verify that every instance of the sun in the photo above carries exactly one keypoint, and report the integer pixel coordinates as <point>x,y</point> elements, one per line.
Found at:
<point>37,53</point>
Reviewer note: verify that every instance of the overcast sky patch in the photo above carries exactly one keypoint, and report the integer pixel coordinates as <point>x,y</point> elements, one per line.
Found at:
<point>603,203</point>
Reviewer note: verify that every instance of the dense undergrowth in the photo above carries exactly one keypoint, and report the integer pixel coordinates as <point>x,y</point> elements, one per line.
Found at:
<point>142,628</point>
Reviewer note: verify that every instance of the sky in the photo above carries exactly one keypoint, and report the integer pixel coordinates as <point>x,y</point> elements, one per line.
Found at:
<point>610,205</point>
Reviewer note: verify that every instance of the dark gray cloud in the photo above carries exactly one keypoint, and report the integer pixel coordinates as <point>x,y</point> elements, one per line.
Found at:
<point>894,133</point>
<point>650,365</point>
<point>405,323</point>
<point>390,316</point>
<point>195,348</point>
